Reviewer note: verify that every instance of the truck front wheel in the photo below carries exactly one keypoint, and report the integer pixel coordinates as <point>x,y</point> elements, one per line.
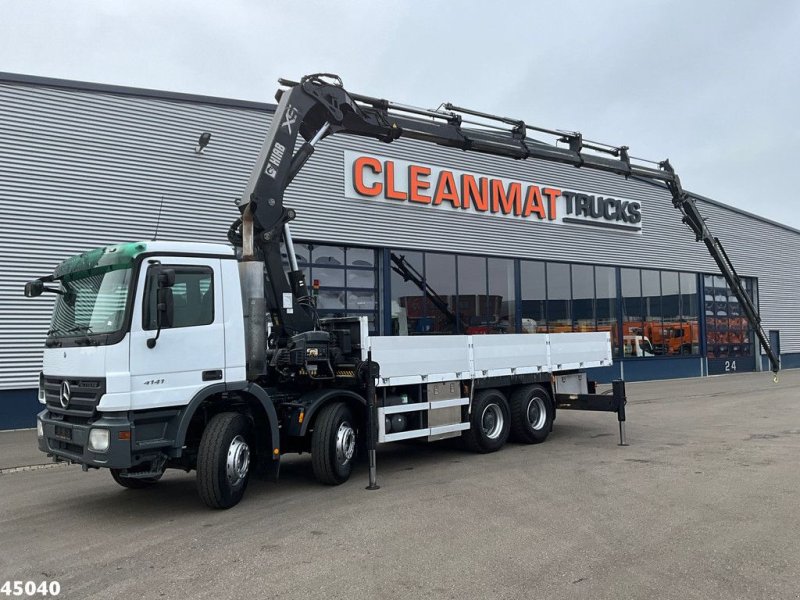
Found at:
<point>489,422</point>
<point>223,460</point>
<point>333,444</point>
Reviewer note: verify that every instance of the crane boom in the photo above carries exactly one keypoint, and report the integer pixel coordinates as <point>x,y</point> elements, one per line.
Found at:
<point>318,106</point>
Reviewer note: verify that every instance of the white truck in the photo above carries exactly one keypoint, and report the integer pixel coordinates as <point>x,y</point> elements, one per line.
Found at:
<point>212,358</point>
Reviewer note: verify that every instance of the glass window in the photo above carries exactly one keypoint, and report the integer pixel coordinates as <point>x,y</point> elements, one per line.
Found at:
<point>192,296</point>
<point>728,333</point>
<point>409,305</point>
<point>92,303</point>
<point>472,293</point>
<point>606,302</point>
<point>559,318</point>
<point>328,277</point>
<point>651,301</point>
<point>440,281</point>
<point>534,297</point>
<point>361,301</point>
<point>360,257</point>
<point>501,305</point>
<point>688,312</point>
<point>331,300</point>
<point>632,313</point>
<point>345,279</point>
<point>327,255</point>
<point>302,252</point>
<point>668,337</point>
<point>361,278</point>
<point>361,271</point>
<point>583,306</point>
<point>673,337</point>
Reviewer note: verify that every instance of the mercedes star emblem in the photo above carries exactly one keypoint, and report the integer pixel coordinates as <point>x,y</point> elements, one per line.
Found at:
<point>66,394</point>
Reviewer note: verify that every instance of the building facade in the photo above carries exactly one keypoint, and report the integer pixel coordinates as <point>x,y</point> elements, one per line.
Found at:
<point>422,239</point>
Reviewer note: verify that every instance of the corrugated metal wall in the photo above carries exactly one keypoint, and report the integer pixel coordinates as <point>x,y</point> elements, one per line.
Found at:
<point>81,168</point>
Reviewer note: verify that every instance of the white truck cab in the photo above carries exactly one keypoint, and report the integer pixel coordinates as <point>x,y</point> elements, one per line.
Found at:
<point>108,353</point>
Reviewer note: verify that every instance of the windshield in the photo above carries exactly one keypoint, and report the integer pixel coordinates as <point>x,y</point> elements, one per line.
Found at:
<point>91,303</point>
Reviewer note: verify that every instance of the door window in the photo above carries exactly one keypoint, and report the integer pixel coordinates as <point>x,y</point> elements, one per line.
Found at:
<point>192,295</point>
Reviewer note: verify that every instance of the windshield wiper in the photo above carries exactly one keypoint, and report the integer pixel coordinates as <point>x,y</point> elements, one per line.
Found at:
<point>82,328</point>
<point>86,330</point>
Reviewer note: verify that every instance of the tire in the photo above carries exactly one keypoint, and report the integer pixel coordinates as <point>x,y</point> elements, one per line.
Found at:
<point>490,422</point>
<point>224,461</point>
<point>333,444</point>
<point>531,414</point>
<point>133,483</point>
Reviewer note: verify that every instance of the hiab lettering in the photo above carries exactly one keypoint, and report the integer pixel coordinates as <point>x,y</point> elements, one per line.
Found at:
<point>402,181</point>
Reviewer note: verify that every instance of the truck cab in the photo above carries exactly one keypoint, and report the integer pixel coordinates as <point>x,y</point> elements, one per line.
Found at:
<point>138,331</point>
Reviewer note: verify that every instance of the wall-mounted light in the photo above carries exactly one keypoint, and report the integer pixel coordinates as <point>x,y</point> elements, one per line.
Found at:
<point>205,137</point>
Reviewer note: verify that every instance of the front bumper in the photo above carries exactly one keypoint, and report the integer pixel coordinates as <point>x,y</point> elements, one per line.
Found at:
<point>67,441</point>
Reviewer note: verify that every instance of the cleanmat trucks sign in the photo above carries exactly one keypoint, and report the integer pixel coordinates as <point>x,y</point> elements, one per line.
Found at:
<point>430,187</point>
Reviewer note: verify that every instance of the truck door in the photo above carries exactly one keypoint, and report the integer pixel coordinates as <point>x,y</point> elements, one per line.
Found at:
<point>190,354</point>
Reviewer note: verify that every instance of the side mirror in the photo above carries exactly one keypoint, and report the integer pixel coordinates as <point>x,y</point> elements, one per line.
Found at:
<point>165,305</point>
<point>34,288</point>
<point>166,278</point>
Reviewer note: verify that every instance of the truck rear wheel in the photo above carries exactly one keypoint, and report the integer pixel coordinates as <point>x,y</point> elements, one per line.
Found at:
<point>223,460</point>
<point>333,444</point>
<point>489,422</point>
<point>531,414</point>
<point>133,483</point>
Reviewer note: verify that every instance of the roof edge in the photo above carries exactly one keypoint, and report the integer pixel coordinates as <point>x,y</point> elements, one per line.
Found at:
<point>123,90</point>
<point>744,212</point>
<point>264,107</point>
<point>721,205</point>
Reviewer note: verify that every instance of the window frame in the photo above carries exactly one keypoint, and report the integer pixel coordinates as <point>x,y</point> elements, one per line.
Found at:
<point>178,268</point>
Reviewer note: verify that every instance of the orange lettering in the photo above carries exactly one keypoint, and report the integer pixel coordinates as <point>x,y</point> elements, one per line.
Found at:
<point>415,184</point>
<point>392,193</point>
<point>552,194</point>
<point>533,203</point>
<point>509,202</point>
<point>359,165</point>
<point>446,190</point>
<point>471,192</point>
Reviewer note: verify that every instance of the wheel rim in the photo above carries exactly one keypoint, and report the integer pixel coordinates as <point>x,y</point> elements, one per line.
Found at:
<point>345,443</point>
<point>536,413</point>
<point>238,462</point>
<point>492,421</point>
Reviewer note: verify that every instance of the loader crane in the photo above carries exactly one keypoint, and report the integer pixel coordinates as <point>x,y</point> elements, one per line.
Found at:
<point>244,370</point>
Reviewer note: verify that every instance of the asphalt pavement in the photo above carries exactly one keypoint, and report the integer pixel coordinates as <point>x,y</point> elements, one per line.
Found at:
<point>702,504</point>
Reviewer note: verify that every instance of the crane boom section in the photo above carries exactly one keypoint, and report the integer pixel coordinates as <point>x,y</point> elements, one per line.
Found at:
<point>315,108</point>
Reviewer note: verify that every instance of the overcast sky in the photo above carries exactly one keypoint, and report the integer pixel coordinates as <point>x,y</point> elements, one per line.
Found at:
<point>713,86</point>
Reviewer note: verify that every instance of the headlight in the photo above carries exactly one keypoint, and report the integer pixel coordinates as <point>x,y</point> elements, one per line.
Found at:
<point>39,428</point>
<point>98,440</point>
<point>41,387</point>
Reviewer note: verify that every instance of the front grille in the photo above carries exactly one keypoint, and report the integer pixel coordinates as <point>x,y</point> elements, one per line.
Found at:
<point>85,394</point>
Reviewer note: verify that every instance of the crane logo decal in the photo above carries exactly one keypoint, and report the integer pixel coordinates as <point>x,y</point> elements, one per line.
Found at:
<point>275,158</point>
<point>291,117</point>
<point>426,186</point>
